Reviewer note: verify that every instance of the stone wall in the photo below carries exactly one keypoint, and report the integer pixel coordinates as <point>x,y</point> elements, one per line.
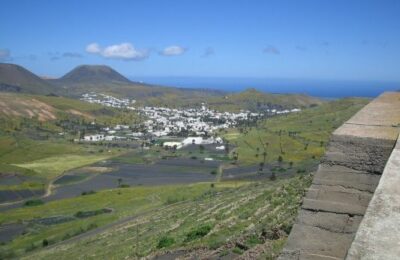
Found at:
<point>345,182</point>
<point>378,236</point>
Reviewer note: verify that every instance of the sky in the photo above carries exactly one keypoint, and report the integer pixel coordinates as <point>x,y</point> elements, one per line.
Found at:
<point>341,40</point>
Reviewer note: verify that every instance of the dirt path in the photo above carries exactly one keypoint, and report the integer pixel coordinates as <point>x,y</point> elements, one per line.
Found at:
<point>47,193</point>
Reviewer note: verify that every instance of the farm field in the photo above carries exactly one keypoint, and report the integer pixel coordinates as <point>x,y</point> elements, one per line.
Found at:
<point>212,217</point>
<point>296,137</point>
<point>238,201</point>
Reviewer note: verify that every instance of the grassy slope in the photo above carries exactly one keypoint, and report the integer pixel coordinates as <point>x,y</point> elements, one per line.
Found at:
<point>239,213</point>
<point>125,202</point>
<point>45,160</point>
<point>51,167</point>
<point>37,115</point>
<point>176,97</point>
<point>232,213</point>
<point>313,127</point>
<point>252,100</point>
<point>16,107</point>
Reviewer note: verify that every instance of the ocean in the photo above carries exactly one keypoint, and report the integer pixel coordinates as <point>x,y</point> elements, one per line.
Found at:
<point>317,88</point>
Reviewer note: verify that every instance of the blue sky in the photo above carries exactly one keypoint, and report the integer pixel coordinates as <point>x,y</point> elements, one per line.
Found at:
<point>343,40</point>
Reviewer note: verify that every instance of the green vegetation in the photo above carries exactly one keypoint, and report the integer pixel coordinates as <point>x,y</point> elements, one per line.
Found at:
<point>31,145</point>
<point>165,241</point>
<point>219,218</point>
<point>30,203</point>
<point>258,213</point>
<point>254,100</point>
<point>292,138</point>
<point>52,167</point>
<point>90,210</point>
<point>198,232</point>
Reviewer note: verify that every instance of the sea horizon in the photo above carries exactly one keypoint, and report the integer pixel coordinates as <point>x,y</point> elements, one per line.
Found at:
<point>318,88</point>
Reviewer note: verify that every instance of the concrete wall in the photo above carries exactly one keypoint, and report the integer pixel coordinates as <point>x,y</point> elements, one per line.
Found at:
<point>345,182</point>
<point>378,236</point>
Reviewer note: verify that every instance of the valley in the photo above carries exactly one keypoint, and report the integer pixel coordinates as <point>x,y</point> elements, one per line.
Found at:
<point>155,180</point>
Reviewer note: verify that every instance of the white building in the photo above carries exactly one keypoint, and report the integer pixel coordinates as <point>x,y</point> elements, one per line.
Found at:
<point>93,138</point>
<point>222,147</point>
<point>178,145</point>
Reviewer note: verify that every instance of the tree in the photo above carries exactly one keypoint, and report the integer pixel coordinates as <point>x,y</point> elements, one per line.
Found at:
<point>236,157</point>
<point>227,147</point>
<point>201,148</point>
<point>280,159</point>
<point>82,134</point>
<point>261,168</point>
<point>273,176</point>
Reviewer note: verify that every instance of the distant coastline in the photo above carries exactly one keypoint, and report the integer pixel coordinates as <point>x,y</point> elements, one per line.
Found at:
<point>329,89</point>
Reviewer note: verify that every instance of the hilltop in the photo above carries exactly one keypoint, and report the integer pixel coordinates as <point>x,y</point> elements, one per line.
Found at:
<point>14,78</point>
<point>93,74</point>
<point>103,79</point>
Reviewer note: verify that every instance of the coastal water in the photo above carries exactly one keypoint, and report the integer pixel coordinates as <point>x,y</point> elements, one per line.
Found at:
<point>318,88</point>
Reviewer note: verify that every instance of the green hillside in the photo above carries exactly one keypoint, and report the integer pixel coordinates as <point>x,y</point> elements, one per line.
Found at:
<point>30,139</point>
<point>254,100</point>
<point>218,219</point>
<point>295,137</point>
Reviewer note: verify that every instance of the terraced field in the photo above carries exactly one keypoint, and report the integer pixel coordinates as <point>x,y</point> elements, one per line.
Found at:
<point>296,137</point>
<point>217,222</point>
<point>243,203</point>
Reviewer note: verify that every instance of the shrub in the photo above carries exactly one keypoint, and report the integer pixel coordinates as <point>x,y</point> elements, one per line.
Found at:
<point>174,199</point>
<point>91,226</point>
<point>36,202</point>
<point>45,242</point>
<point>237,250</point>
<point>86,214</point>
<point>197,233</point>
<point>88,192</point>
<point>216,241</point>
<point>253,240</point>
<point>165,241</point>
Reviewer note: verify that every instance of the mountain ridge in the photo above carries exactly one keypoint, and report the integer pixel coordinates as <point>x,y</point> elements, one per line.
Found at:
<point>15,78</point>
<point>93,74</point>
<point>104,79</point>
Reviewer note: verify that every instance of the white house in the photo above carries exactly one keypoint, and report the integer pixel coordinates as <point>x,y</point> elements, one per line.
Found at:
<point>93,138</point>
<point>218,140</point>
<point>222,147</point>
<point>192,140</point>
<point>172,144</point>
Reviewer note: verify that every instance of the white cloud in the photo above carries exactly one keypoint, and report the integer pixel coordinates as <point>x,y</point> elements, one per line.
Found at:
<point>93,48</point>
<point>173,50</point>
<point>123,51</point>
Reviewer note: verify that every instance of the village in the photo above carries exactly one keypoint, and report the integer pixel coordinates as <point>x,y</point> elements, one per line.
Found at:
<point>107,100</point>
<point>173,127</point>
